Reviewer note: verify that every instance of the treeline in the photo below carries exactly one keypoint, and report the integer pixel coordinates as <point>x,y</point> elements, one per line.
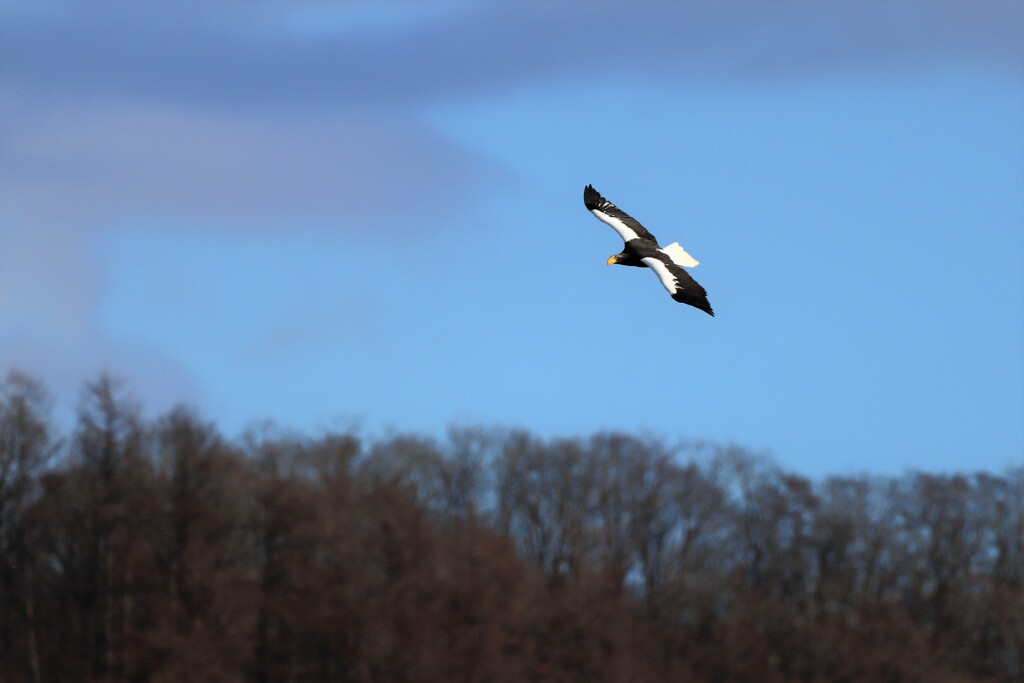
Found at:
<point>134,550</point>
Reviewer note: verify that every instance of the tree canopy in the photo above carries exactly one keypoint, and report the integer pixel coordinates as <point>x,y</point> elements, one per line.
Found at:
<point>159,550</point>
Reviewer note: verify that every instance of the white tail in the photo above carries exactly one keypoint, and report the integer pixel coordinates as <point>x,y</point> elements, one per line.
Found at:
<point>679,256</point>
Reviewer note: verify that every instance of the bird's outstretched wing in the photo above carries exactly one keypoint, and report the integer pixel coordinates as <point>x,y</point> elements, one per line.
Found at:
<point>678,282</point>
<point>620,221</point>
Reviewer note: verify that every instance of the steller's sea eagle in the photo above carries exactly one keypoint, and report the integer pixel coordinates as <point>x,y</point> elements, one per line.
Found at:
<point>642,251</point>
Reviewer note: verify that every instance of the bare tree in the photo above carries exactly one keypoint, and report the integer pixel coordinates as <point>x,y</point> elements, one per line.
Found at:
<point>111,470</point>
<point>204,588</point>
<point>26,445</point>
<point>547,495</point>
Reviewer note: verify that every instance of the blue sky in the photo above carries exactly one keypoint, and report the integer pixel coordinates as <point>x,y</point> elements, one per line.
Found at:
<point>337,213</point>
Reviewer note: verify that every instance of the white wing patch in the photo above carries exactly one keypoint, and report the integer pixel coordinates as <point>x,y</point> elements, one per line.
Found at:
<point>679,256</point>
<point>625,232</point>
<point>668,280</point>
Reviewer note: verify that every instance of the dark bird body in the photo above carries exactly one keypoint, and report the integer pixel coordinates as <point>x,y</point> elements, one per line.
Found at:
<point>641,250</point>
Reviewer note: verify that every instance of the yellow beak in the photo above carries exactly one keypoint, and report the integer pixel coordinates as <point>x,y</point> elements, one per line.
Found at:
<point>611,260</point>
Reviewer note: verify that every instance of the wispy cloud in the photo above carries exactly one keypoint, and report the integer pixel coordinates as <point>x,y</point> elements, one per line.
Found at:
<point>251,55</point>
<point>246,114</point>
<point>88,162</point>
<point>51,293</point>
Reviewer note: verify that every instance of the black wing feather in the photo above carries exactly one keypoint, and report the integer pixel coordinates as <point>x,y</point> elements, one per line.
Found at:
<point>593,200</point>
<point>688,290</point>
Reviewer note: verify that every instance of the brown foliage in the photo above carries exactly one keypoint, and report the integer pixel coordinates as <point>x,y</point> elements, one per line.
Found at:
<point>162,552</point>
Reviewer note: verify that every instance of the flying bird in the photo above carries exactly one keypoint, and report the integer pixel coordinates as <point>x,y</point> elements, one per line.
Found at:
<point>642,251</point>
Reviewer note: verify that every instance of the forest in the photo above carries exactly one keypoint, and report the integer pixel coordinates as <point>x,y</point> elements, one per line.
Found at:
<point>136,549</point>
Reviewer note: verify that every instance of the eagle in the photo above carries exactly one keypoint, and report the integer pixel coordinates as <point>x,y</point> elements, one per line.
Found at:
<point>642,251</point>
